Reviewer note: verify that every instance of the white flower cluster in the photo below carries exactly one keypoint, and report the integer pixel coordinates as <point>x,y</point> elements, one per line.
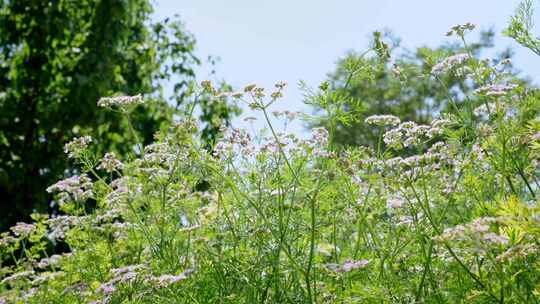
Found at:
<point>166,279</point>
<point>23,229</point>
<point>463,71</point>
<point>77,188</point>
<point>108,216</point>
<point>289,143</point>
<point>406,220</point>
<point>44,277</point>
<point>60,225</point>
<point>495,89</point>
<point>164,154</point>
<point>53,260</point>
<point>409,134</point>
<point>120,275</point>
<point>130,273</point>
<point>348,266</point>
<point>319,142</point>
<point>6,239</point>
<point>437,156</point>
<point>395,202</point>
<point>485,109</point>
<point>449,63</point>
<point>234,137</point>
<point>120,101</point>
<point>477,232</point>
<point>159,159</point>
<point>498,107</point>
<point>237,142</point>
<point>76,146</point>
<point>119,195</point>
<point>110,163</point>
<point>383,120</point>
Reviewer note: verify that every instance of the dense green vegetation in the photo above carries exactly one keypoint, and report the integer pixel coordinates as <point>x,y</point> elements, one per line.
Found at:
<point>444,210</point>
<point>56,59</point>
<point>392,80</point>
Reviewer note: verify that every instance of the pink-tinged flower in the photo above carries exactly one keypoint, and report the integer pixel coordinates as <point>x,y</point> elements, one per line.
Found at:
<point>348,266</point>
<point>495,89</point>
<point>476,233</point>
<point>77,188</point>
<point>23,229</point>
<point>76,146</point>
<point>319,137</point>
<point>106,289</point>
<point>60,225</point>
<point>110,163</point>
<point>121,275</point>
<point>395,203</point>
<point>167,279</point>
<point>449,63</point>
<point>353,265</point>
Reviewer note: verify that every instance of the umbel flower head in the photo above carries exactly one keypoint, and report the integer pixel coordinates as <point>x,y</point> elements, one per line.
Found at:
<point>495,89</point>
<point>74,148</point>
<point>383,120</point>
<point>450,63</point>
<point>77,188</point>
<point>120,101</point>
<point>23,229</point>
<point>109,163</point>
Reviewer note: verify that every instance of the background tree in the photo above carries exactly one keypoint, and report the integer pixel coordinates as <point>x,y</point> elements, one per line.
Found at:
<point>389,79</point>
<point>57,58</point>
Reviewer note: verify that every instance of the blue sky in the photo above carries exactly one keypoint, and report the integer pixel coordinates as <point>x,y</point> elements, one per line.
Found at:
<point>265,41</point>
